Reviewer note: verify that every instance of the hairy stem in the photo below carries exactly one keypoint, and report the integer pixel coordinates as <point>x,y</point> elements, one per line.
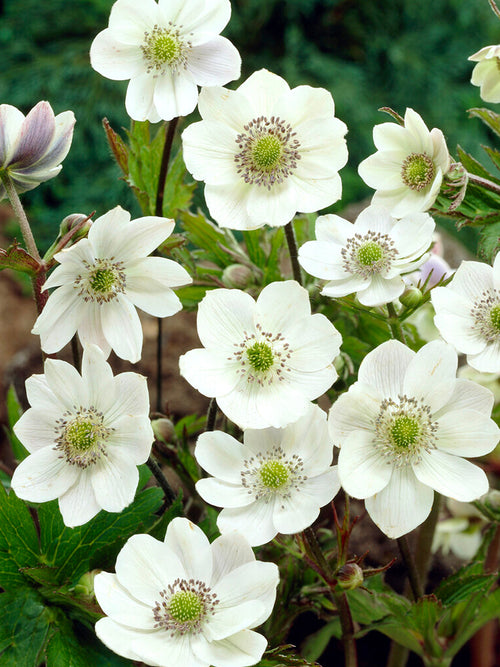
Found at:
<point>425,539</point>
<point>162,481</point>
<point>413,576</point>
<point>484,183</point>
<point>293,250</point>
<point>395,324</point>
<point>159,365</point>
<point>211,415</point>
<point>21,216</point>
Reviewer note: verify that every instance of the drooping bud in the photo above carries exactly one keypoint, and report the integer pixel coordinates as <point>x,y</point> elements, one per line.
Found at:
<point>238,276</point>
<point>163,429</point>
<point>73,220</point>
<point>350,576</point>
<point>411,297</point>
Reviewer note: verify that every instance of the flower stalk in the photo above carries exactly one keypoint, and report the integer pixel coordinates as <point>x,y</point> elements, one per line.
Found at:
<point>21,215</point>
<point>293,250</point>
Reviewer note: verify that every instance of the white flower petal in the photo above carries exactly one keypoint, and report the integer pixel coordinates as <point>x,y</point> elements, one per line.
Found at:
<point>57,323</point>
<point>486,361</point>
<point>139,98</point>
<point>11,121</point>
<point>431,375</point>
<point>363,469</point>
<point>262,89</point>
<point>134,436</point>
<point>167,651</point>
<point>281,304</point>
<point>255,522</point>
<point>249,581</point>
<point>211,17</point>
<point>210,375</point>
<point>132,397</point>
<point>192,547</point>
<point>466,432</point>
<point>114,59</point>
<point>357,409</point>
<point>98,378</point>
<point>122,328</point>
<point>114,480</point>
<point>229,552</point>
<point>90,328</point>
<point>322,260</point>
<point>294,514</point>
<point>336,288</point>
<point>120,639</point>
<point>314,343</point>
<point>384,368</point>
<point>323,488</point>
<point>223,494</point>
<point>43,476</point>
<point>78,505</point>
<point>149,280</point>
<point>402,505</point>
<point>468,395</point>
<point>214,63</point>
<point>130,20</point>
<point>221,455</point>
<point>242,649</point>
<point>118,604</point>
<point>37,132</point>
<point>209,147</point>
<point>36,428</point>
<point>224,316</point>
<point>66,383</point>
<point>381,290</point>
<point>471,279</point>
<point>314,194</point>
<point>450,475</point>
<point>174,95</point>
<point>227,621</point>
<point>228,205</point>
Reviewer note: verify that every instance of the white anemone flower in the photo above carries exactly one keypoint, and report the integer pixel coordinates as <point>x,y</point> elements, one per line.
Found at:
<point>265,151</point>
<point>408,169</point>
<point>86,436</point>
<point>403,429</point>
<point>167,49</point>
<point>185,602</point>
<point>102,278</point>
<point>33,147</point>
<point>468,313</point>
<point>275,482</point>
<point>264,361</point>
<point>486,73</point>
<point>369,256</point>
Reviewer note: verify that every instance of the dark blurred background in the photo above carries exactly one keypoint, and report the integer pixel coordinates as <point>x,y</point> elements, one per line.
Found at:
<point>368,54</point>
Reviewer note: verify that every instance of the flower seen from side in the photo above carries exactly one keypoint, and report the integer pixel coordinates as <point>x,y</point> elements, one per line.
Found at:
<point>403,429</point>
<point>486,73</point>
<point>86,436</point>
<point>369,256</point>
<point>468,313</point>
<point>263,361</point>
<point>185,601</point>
<point>408,168</point>
<point>275,482</point>
<point>266,151</point>
<point>167,49</point>
<point>32,147</point>
<point>103,278</point>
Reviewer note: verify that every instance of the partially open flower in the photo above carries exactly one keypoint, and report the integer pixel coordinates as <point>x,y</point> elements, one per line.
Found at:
<point>486,73</point>
<point>33,147</point>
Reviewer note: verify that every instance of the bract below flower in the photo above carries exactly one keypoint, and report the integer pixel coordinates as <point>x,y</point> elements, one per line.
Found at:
<point>408,169</point>
<point>265,151</point>
<point>33,147</point>
<point>369,256</point>
<point>264,361</point>
<point>275,482</point>
<point>86,436</point>
<point>486,73</point>
<point>468,313</point>
<point>185,602</point>
<point>166,49</point>
<point>103,278</point>
<point>403,429</point>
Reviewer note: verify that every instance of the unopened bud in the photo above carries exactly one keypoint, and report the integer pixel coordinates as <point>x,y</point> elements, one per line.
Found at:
<point>85,585</point>
<point>163,429</point>
<point>71,221</point>
<point>237,276</point>
<point>411,297</point>
<point>492,500</point>
<point>350,576</point>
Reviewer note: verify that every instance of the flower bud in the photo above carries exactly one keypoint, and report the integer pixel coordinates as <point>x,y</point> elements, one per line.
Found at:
<point>85,585</point>
<point>411,297</point>
<point>237,276</point>
<point>350,576</point>
<point>163,429</point>
<point>71,221</point>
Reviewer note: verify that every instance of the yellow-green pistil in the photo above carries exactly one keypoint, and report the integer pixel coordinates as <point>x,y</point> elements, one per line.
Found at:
<point>260,357</point>
<point>81,434</point>
<point>103,280</point>
<point>267,152</point>
<point>185,607</point>
<point>405,431</point>
<point>274,474</point>
<point>417,171</point>
<point>165,48</point>
<point>495,317</point>
<point>370,253</point>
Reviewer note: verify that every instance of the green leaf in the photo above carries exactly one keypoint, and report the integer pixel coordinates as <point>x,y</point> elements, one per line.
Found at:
<point>204,234</point>
<point>494,155</point>
<point>176,509</point>
<point>177,194</point>
<point>315,645</point>
<point>284,656</point>
<point>117,145</point>
<point>18,259</point>
<point>489,118</point>
<point>74,551</point>
<point>473,166</point>
<point>24,628</point>
<point>14,412</point>
<point>489,241</point>
<point>19,547</point>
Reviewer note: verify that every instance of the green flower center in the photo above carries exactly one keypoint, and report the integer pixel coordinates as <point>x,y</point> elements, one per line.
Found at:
<point>81,434</point>
<point>495,317</point>
<point>164,48</point>
<point>267,152</point>
<point>370,253</point>
<point>274,474</point>
<point>260,357</point>
<point>103,280</point>
<point>417,171</point>
<point>405,431</point>
<point>185,607</point>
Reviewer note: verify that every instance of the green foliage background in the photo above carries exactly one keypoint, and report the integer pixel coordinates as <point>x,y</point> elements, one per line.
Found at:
<point>368,54</point>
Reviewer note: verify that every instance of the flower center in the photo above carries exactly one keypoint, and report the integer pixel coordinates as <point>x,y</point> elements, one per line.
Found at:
<point>368,254</point>
<point>404,429</point>
<point>417,171</point>
<point>268,151</point>
<point>486,314</point>
<point>260,357</point>
<point>102,281</point>
<point>183,607</point>
<point>272,473</point>
<point>82,437</point>
<point>164,49</point>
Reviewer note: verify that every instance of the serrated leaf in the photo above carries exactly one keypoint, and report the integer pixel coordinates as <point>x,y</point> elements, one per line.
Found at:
<point>65,650</point>
<point>18,259</point>
<point>24,628</point>
<point>117,145</point>
<point>489,118</point>
<point>473,166</point>
<point>14,412</point>
<point>19,547</point>
<point>457,589</point>
<point>489,241</point>
<point>177,195</point>
<point>204,234</point>
<point>74,551</point>
<point>494,155</point>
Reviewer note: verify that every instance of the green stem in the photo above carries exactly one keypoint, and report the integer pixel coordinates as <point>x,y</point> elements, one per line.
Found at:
<point>159,365</point>
<point>398,655</point>
<point>21,216</point>
<point>425,539</point>
<point>211,415</point>
<point>162,480</point>
<point>293,250</point>
<point>395,324</point>
<point>75,351</point>
<point>413,576</point>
